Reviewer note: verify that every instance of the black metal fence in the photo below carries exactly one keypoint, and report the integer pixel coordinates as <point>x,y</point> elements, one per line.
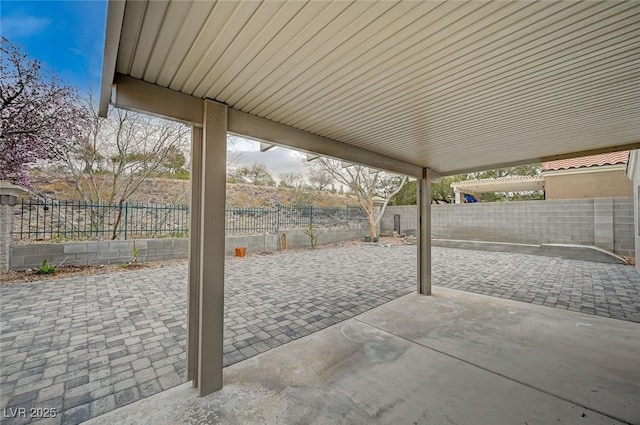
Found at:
<point>51,219</point>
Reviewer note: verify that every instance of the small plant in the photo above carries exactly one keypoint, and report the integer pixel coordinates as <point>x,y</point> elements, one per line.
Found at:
<point>136,253</point>
<point>310,231</point>
<point>46,268</point>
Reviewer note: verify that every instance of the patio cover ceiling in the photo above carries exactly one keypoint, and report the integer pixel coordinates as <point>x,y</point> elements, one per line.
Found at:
<point>451,86</point>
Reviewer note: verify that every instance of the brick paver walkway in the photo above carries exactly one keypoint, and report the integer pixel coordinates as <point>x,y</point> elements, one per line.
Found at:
<point>86,345</point>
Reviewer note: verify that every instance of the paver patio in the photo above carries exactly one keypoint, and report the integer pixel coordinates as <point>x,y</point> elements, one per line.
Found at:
<point>87,345</point>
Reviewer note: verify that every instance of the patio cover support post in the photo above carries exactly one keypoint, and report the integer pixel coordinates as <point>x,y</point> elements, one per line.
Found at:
<point>212,251</point>
<point>424,233</point>
<point>458,195</point>
<point>193,289</point>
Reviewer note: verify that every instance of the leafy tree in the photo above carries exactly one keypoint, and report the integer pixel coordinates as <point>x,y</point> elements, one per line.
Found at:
<point>520,170</point>
<point>174,160</point>
<point>369,187</point>
<point>407,195</point>
<point>442,192</point>
<point>41,118</point>
<point>256,174</point>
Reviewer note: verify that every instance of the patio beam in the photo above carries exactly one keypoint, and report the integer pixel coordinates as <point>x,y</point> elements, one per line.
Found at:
<point>424,232</point>
<point>136,95</point>
<point>115,18</point>
<point>212,248</point>
<point>262,129</point>
<point>139,96</point>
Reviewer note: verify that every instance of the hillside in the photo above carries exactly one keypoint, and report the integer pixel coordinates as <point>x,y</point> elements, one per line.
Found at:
<point>168,191</point>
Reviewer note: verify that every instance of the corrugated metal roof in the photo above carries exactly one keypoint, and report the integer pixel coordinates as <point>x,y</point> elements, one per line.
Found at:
<point>447,85</point>
<point>612,158</point>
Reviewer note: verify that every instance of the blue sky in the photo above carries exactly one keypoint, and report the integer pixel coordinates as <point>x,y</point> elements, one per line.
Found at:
<point>66,36</point>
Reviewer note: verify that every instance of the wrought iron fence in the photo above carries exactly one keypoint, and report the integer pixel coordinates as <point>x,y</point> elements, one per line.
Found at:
<point>50,219</point>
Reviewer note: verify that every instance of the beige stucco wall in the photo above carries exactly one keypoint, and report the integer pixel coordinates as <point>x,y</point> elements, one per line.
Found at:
<point>634,173</point>
<point>607,184</point>
<point>636,213</point>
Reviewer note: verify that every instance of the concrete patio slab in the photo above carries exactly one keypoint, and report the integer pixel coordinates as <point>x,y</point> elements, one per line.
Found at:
<point>87,345</point>
<point>454,358</point>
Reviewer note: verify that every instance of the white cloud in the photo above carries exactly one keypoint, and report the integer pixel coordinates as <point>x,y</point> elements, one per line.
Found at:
<point>278,161</point>
<point>22,25</point>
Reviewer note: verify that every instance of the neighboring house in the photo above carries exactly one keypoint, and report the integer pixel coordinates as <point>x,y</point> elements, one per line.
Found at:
<point>633,172</point>
<point>593,176</point>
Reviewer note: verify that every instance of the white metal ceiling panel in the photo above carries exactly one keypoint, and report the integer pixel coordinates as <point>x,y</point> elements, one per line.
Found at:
<point>167,35</point>
<point>190,28</point>
<point>273,61</point>
<point>447,85</point>
<point>149,33</point>
<point>225,22</point>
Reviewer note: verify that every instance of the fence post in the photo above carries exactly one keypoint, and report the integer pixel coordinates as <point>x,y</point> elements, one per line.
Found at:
<point>8,196</point>
<point>277,219</point>
<point>311,216</point>
<point>45,208</point>
<point>126,216</point>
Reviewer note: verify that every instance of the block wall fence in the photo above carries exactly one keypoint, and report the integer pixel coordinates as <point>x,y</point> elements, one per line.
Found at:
<point>24,257</point>
<point>603,222</point>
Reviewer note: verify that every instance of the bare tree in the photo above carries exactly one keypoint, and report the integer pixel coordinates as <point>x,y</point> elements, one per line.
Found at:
<point>256,174</point>
<point>369,186</point>
<point>118,153</point>
<point>293,180</point>
<point>319,177</point>
<point>233,154</point>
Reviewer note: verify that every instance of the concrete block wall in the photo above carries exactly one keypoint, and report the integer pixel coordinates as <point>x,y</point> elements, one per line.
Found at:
<point>408,218</point>
<point>6,224</point>
<point>296,238</point>
<point>97,252</point>
<point>623,226</point>
<point>518,222</point>
<point>118,252</point>
<point>603,222</point>
<point>633,172</point>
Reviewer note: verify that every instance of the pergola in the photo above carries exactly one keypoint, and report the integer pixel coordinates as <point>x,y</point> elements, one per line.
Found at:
<point>416,88</point>
<point>499,184</point>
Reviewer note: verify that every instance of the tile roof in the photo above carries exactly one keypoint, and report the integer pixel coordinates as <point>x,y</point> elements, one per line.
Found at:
<point>587,161</point>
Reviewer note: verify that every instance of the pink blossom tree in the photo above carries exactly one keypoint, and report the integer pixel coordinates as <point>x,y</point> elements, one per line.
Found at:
<point>40,117</point>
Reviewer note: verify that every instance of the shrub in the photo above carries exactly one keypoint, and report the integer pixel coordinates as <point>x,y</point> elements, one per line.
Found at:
<point>46,268</point>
